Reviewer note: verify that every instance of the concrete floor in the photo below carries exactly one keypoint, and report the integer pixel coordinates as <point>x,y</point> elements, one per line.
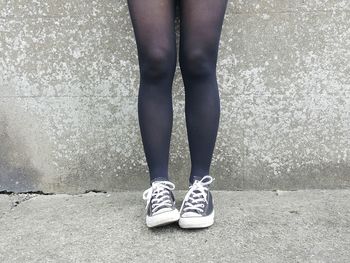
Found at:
<point>251,226</point>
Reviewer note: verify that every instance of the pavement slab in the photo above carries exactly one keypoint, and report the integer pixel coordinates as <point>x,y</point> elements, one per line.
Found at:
<point>250,226</point>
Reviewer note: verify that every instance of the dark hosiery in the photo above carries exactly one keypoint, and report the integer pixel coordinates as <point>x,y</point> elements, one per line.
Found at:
<point>200,29</point>
<point>153,22</point>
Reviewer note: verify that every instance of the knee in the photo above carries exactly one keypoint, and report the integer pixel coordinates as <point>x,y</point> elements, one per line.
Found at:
<point>157,64</point>
<point>197,63</point>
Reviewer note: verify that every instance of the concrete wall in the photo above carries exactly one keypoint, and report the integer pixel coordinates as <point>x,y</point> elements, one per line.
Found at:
<point>68,97</point>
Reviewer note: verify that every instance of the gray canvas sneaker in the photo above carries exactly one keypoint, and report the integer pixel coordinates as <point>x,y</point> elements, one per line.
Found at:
<point>197,209</point>
<point>160,205</point>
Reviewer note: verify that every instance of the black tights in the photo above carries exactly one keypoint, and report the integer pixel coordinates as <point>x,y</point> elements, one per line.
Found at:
<point>200,30</point>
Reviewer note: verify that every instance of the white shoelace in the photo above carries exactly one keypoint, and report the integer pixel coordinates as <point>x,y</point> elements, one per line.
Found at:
<point>195,202</point>
<point>159,192</point>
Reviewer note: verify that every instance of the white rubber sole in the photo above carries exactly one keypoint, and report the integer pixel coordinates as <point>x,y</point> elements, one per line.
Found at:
<point>163,218</point>
<point>197,222</point>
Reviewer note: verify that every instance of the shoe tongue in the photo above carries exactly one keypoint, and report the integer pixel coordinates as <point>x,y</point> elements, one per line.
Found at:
<point>196,178</point>
<point>165,192</point>
<point>162,193</point>
<point>198,198</point>
<point>196,191</point>
<point>195,195</point>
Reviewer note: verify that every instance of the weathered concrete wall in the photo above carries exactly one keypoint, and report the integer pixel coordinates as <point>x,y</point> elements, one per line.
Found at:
<point>68,97</point>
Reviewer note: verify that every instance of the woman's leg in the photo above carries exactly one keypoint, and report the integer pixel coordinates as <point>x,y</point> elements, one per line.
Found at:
<point>153,24</point>
<point>200,30</point>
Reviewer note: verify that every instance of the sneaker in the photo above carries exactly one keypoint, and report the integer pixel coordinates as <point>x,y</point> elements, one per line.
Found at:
<point>160,205</point>
<point>197,209</point>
